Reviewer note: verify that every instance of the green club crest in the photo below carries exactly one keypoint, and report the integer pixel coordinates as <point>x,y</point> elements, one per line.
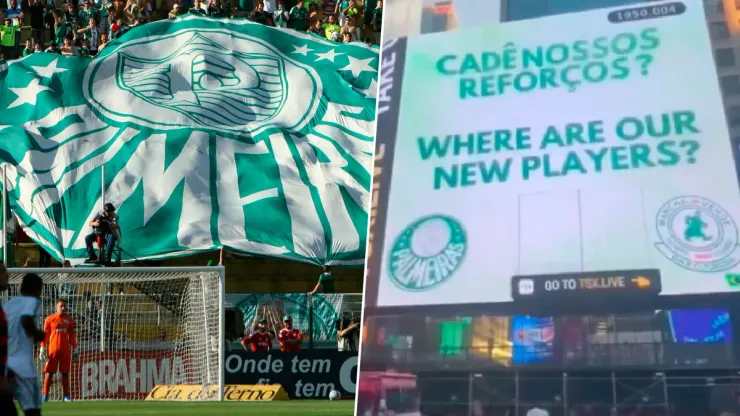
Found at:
<point>200,84</point>
<point>697,234</point>
<point>427,253</point>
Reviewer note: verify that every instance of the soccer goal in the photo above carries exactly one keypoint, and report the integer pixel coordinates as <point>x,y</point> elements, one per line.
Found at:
<point>137,328</point>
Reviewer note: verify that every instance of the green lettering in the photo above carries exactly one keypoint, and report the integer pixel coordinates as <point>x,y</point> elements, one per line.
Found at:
<point>668,156</point>
<point>469,64</point>
<point>684,120</point>
<point>552,137</point>
<point>443,177</point>
<point>529,165</point>
<point>467,88</point>
<point>619,159</point>
<point>468,174</point>
<point>573,164</point>
<point>640,156</point>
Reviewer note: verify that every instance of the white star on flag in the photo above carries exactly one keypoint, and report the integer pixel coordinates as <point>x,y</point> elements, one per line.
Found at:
<point>303,50</point>
<point>371,91</point>
<point>27,95</point>
<point>357,66</point>
<point>329,56</point>
<point>49,70</point>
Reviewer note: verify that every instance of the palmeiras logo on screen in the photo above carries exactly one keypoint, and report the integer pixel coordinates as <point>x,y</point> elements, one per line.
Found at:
<point>427,253</point>
<point>697,234</point>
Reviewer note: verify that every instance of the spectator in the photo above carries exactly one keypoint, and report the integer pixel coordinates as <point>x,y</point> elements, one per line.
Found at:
<point>317,28</point>
<point>309,3</point>
<point>313,13</point>
<point>331,27</point>
<point>86,14</point>
<point>352,26</point>
<point>325,283</point>
<point>103,41</point>
<point>174,13</point>
<point>38,29</point>
<point>28,50</point>
<point>347,37</point>
<point>105,9</point>
<point>119,7</point>
<point>37,48</point>
<point>329,7</point>
<point>106,228</point>
<point>259,15</point>
<point>198,8</point>
<point>7,39</point>
<point>268,6</point>
<point>85,49</point>
<point>44,257</point>
<point>377,19</point>
<point>68,49</point>
<point>339,10</point>
<point>14,11</point>
<point>50,20</point>
<point>53,48</point>
<point>281,16</point>
<point>348,336</point>
<point>297,17</point>
<point>243,7</point>
<point>60,31</point>
<point>348,13</point>
<point>215,9</point>
<point>117,29</point>
<point>132,12</point>
<point>91,35</point>
<point>70,19</point>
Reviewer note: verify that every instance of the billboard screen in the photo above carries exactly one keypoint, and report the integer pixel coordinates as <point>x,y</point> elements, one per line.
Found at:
<point>533,340</point>
<point>561,155</point>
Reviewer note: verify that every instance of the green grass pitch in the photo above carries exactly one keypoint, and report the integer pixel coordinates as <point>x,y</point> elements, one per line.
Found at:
<point>132,408</point>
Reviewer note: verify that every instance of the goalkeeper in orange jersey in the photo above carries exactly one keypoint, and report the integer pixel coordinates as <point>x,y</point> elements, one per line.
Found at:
<point>61,342</point>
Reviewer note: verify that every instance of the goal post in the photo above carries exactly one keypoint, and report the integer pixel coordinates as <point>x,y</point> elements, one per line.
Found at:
<point>137,327</point>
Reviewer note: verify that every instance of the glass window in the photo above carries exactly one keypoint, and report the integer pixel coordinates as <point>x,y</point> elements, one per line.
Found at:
<point>529,9</point>
<point>437,18</point>
<point>526,9</point>
<point>733,115</point>
<point>718,31</point>
<point>452,336</point>
<point>725,57</point>
<point>730,85</point>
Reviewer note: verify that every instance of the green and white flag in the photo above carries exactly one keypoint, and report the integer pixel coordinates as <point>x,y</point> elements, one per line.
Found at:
<point>204,134</point>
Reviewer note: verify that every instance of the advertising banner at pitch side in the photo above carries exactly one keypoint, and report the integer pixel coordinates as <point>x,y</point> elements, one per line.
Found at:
<point>303,375</point>
<point>582,142</point>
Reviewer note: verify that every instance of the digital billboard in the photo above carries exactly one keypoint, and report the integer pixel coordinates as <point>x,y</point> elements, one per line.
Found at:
<point>581,153</point>
<point>533,340</point>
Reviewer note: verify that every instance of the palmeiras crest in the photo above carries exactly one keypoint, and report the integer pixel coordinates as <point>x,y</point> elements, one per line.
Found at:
<point>216,80</point>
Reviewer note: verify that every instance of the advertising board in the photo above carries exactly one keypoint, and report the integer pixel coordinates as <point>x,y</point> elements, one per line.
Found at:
<point>303,375</point>
<point>577,154</point>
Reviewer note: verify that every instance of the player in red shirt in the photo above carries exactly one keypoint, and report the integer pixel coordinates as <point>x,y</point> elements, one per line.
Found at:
<point>61,342</point>
<point>289,337</point>
<point>259,340</point>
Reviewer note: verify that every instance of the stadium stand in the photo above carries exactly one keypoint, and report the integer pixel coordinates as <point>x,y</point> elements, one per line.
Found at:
<point>85,28</point>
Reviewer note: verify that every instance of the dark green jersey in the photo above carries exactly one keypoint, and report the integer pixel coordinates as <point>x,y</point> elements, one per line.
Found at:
<point>327,283</point>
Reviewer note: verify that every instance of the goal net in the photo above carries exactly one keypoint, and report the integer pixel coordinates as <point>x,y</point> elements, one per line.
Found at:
<point>137,328</point>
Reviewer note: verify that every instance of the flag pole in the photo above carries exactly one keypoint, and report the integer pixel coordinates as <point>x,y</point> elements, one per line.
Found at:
<point>102,186</point>
<point>5,215</point>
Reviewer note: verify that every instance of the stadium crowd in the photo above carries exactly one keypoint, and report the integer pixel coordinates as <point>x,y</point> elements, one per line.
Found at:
<point>84,27</point>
